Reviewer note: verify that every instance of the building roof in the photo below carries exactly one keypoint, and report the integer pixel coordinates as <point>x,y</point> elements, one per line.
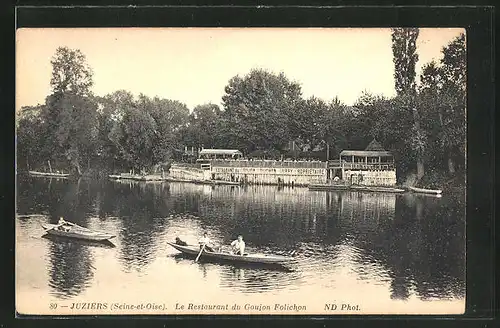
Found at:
<point>220,152</point>
<point>374,149</point>
<point>363,153</point>
<point>374,145</point>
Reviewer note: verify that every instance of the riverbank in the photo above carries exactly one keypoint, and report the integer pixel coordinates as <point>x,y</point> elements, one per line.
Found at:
<point>442,181</point>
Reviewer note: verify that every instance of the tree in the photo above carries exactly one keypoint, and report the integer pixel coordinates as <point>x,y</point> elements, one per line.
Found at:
<point>70,72</point>
<point>145,131</point>
<point>257,108</point>
<point>405,58</point>
<point>454,63</point>
<point>72,126</point>
<point>111,109</point>
<point>169,117</point>
<point>306,121</point>
<point>70,115</point>
<point>29,137</point>
<point>443,98</point>
<point>454,70</point>
<point>334,122</point>
<point>203,128</point>
<point>134,136</point>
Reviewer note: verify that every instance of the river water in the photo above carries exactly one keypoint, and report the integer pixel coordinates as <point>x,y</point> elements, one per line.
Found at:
<point>365,253</point>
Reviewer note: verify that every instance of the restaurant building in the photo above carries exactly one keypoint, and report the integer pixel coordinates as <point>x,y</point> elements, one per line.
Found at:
<point>373,166</point>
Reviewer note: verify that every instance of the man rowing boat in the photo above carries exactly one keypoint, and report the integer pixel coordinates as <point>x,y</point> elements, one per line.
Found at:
<point>238,246</point>
<point>205,241</point>
<point>63,225</point>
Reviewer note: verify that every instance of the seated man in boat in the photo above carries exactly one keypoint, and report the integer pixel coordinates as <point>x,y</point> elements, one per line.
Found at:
<point>206,241</point>
<point>63,225</point>
<point>238,246</point>
<point>179,241</point>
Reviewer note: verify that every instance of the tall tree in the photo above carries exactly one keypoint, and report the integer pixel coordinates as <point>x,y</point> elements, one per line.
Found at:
<point>29,137</point>
<point>442,96</point>
<point>70,72</point>
<point>111,109</point>
<point>405,57</point>
<point>203,128</point>
<point>134,135</point>
<point>256,108</point>
<point>145,131</point>
<point>70,112</point>
<point>454,72</point>
<point>306,121</point>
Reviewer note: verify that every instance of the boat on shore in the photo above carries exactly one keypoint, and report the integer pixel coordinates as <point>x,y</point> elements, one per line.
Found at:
<point>72,230</point>
<point>228,257</point>
<point>426,191</point>
<point>48,174</point>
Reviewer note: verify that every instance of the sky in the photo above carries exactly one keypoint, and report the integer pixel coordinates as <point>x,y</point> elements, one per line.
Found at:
<point>193,65</point>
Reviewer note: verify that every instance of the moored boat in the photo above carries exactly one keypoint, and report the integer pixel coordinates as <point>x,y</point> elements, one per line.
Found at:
<point>75,231</point>
<point>49,174</point>
<point>426,191</point>
<point>223,256</point>
<point>377,189</point>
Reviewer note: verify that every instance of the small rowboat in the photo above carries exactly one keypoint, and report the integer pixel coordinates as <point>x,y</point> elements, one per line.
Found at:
<point>222,256</point>
<point>426,191</point>
<point>76,231</point>
<point>49,174</point>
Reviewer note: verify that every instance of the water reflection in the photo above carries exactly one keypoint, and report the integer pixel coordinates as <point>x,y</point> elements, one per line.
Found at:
<point>245,277</point>
<point>413,245</point>
<point>87,243</point>
<point>70,267</point>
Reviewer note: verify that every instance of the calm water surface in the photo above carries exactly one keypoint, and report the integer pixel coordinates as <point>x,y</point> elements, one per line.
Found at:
<point>386,252</point>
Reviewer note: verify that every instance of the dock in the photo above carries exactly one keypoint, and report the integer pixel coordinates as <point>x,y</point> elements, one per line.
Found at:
<point>333,187</point>
<point>167,178</point>
<point>137,177</point>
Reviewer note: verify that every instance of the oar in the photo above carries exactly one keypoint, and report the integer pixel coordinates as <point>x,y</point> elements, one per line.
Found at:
<point>201,251</point>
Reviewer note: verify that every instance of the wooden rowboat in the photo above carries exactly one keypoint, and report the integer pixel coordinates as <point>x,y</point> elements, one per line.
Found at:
<point>223,256</point>
<point>49,174</point>
<point>76,231</point>
<point>426,191</point>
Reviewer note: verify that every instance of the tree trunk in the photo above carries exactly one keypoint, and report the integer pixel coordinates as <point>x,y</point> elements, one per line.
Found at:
<point>420,160</point>
<point>78,168</point>
<point>420,168</point>
<point>451,162</point>
<point>50,167</point>
<point>451,165</point>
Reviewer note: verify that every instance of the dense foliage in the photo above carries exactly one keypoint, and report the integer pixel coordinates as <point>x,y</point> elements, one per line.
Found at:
<point>262,113</point>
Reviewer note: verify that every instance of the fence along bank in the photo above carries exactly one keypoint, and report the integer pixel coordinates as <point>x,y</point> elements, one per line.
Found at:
<point>228,165</point>
<point>373,166</point>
